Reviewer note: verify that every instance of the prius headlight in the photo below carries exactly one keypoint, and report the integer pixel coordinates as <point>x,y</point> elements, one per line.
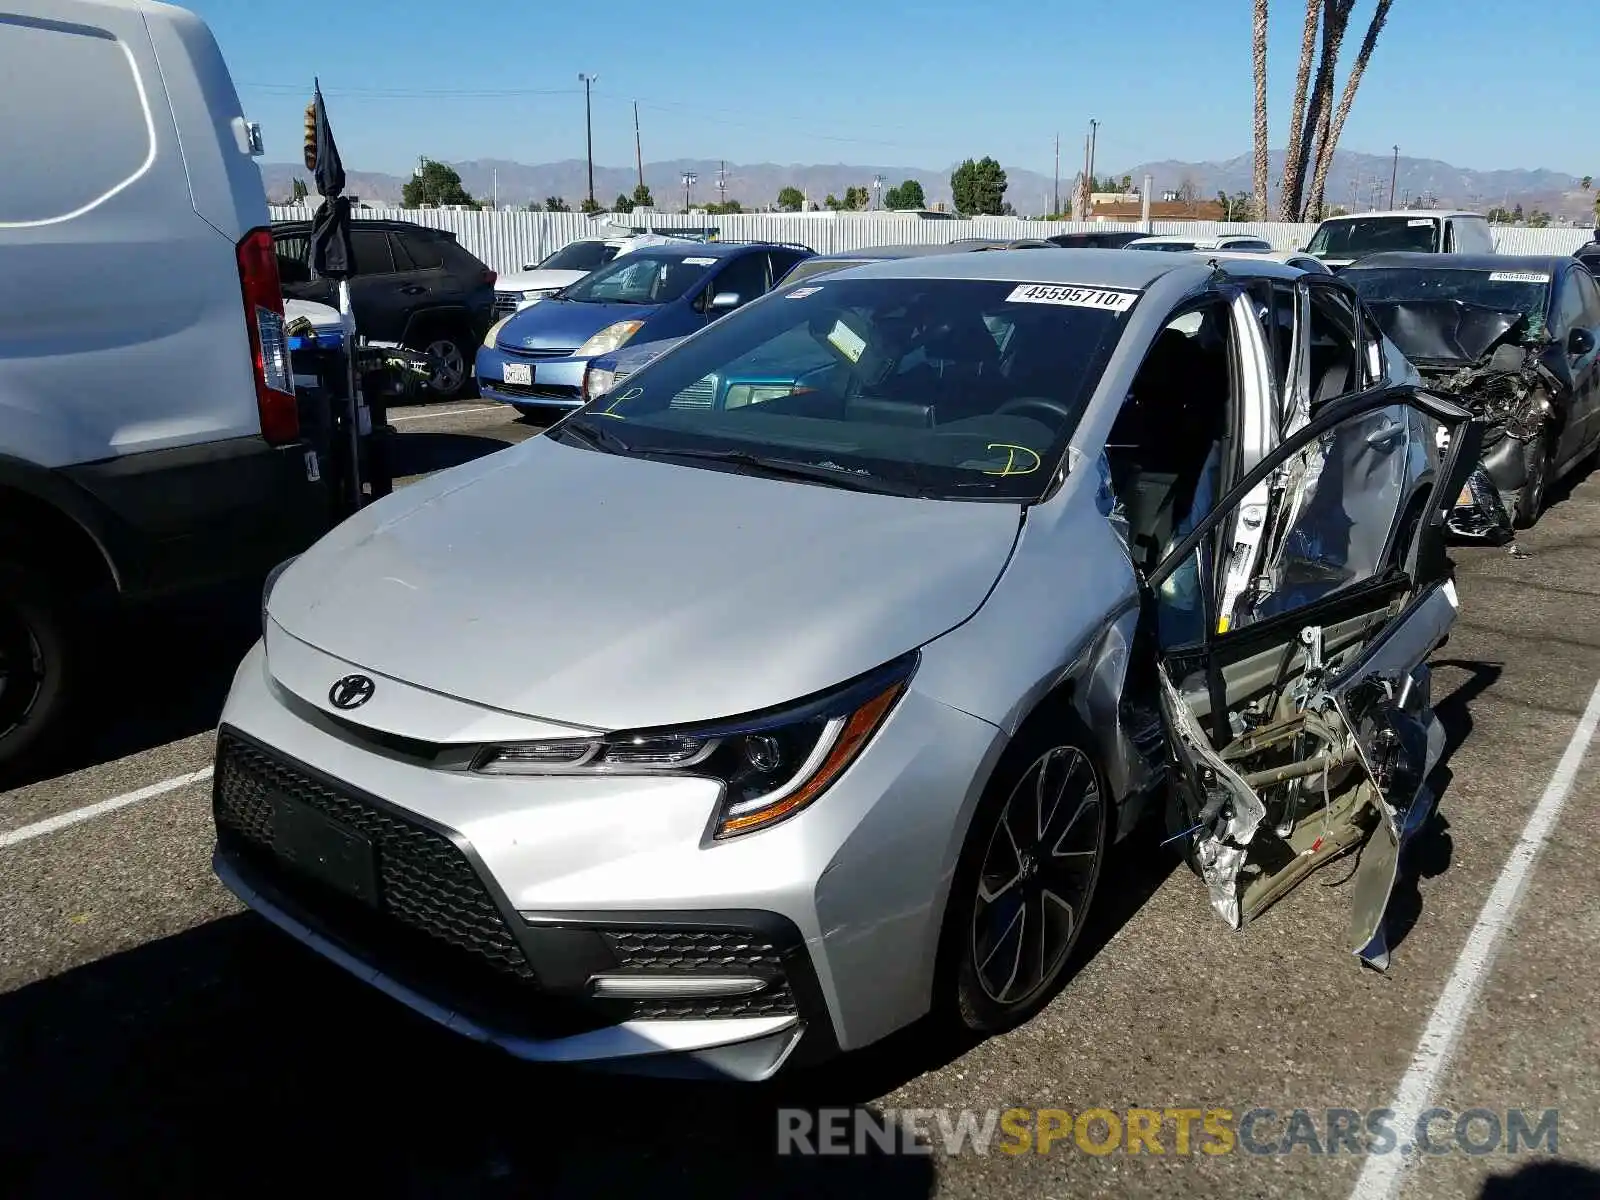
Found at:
<point>494,331</point>
<point>612,337</point>
<point>266,589</point>
<point>771,764</point>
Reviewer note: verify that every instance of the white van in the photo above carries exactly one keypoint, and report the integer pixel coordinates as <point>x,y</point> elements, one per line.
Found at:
<point>149,430</point>
<point>1339,241</point>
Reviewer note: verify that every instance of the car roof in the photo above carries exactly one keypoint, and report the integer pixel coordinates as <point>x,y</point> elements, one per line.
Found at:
<point>384,223</point>
<point>703,249</point>
<point>911,250</point>
<point>1085,267</point>
<point>1417,260</point>
<point>1405,212</point>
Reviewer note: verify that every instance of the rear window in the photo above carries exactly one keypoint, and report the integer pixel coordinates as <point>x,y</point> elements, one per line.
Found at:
<point>425,253</point>
<point>71,85</point>
<point>579,256</point>
<point>1375,235</point>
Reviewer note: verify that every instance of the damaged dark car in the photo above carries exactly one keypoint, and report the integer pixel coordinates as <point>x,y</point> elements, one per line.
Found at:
<point>1512,339</point>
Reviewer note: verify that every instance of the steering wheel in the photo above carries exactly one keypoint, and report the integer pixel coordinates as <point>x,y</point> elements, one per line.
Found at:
<point>1058,411</point>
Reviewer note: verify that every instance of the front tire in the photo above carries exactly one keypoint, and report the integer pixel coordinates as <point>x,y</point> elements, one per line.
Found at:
<point>453,375</point>
<point>1026,877</point>
<point>1530,501</point>
<point>36,664</point>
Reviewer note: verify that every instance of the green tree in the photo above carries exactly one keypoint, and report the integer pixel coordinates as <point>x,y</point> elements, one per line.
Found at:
<point>832,203</point>
<point>556,204</point>
<point>624,204</point>
<point>908,195</point>
<point>589,206</point>
<point>979,188</point>
<point>857,198</point>
<point>642,198</point>
<point>1516,215</point>
<point>723,208</point>
<point>436,183</point>
<point>535,206</point>
<point>791,199</point>
<point>1539,219</point>
<point>298,191</point>
<point>1499,216</point>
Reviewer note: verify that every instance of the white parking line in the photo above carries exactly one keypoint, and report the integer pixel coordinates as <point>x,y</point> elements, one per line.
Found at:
<point>450,412</point>
<point>1381,1176</point>
<point>89,811</point>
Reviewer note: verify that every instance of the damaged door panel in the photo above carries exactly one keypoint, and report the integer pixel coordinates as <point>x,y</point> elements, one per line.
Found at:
<point>1301,724</point>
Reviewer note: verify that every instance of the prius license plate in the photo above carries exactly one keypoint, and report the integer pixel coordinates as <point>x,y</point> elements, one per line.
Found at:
<point>518,373</point>
<point>335,854</point>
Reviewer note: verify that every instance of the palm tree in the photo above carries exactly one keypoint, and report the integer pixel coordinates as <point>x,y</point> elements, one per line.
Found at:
<point>1330,142</point>
<point>1294,154</point>
<point>1319,117</point>
<point>1259,54</point>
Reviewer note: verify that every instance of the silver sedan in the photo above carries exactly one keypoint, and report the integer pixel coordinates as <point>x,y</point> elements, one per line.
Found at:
<point>797,686</point>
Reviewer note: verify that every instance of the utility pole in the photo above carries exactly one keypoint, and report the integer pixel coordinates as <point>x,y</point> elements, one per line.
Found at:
<point>722,182</point>
<point>1055,194</point>
<point>588,128</point>
<point>1083,192</point>
<point>638,147</point>
<point>1094,145</point>
<point>1394,172</point>
<point>497,189</point>
<point>689,180</point>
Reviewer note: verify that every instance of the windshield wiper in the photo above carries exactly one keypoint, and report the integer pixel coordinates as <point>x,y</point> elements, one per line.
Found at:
<point>596,437</point>
<point>788,468</point>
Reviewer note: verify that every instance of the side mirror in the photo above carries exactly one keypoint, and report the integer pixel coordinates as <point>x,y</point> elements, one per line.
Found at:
<point>1579,342</point>
<point>725,302</point>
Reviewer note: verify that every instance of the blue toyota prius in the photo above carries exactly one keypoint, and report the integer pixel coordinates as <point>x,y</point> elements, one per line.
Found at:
<point>536,358</point>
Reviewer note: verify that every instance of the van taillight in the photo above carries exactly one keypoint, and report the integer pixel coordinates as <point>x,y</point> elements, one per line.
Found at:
<point>269,344</point>
<point>490,276</point>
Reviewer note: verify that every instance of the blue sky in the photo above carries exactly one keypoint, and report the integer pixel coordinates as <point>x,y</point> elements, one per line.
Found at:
<point>897,84</point>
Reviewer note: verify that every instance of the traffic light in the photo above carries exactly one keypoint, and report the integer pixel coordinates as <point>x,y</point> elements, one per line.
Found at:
<point>311,136</point>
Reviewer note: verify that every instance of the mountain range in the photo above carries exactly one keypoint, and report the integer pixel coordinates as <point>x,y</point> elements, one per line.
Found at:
<point>1356,181</point>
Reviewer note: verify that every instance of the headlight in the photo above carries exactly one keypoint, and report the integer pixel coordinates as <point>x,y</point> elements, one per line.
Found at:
<point>266,588</point>
<point>597,381</point>
<point>771,765</point>
<point>612,337</point>
<point>494,331</point>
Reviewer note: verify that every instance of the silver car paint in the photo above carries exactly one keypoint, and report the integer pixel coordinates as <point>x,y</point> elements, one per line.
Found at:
<point>1004,617</point>
<point>770,590</point>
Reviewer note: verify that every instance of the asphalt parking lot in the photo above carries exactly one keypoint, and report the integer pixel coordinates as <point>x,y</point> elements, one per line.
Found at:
<point>156,1039</point>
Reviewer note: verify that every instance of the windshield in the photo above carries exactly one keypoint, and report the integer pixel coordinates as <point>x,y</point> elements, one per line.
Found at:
<point>1374,235</point>
<point>642,277</point>
<point>943,388</point>
<point>821,266</point>
<point>1504,291</point>
<point>1182,247</point>
<point>579,256</point>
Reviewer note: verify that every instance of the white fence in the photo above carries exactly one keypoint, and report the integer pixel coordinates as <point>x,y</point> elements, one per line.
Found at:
<point>508,240</point>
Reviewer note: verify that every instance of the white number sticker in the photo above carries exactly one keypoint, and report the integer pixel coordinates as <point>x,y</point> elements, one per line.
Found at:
<point>1073,297</point>
<point>847,341</point>
<point>1419,222</point>
<point>700,262</point>
<point>1518,277</point>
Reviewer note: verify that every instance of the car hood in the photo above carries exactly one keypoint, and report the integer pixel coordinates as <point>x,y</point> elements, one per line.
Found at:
<point>635,355</point>
<point>556,324</point>
<point>531,280</point>
<point>609,592</point>
<point>1443,331</point>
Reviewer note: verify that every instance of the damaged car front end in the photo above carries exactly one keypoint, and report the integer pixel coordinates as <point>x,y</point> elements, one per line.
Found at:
<point>1482,336</point>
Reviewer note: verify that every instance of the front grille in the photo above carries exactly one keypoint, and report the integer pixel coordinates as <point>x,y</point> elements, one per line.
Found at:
<point>426,883</point>
<point>701,395</point>
<point>536,391</point>
<point>535,352</point>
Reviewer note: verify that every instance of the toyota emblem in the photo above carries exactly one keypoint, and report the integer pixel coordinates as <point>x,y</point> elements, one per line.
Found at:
<point>351,692</point>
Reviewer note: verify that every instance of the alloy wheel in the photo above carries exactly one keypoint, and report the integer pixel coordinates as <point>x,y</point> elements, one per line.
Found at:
<point>452,368</point>
<point>1037,875</point>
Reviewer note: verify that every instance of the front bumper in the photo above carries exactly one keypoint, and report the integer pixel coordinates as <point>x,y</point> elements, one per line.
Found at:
<point>501,901</point>
<point>556,382</point>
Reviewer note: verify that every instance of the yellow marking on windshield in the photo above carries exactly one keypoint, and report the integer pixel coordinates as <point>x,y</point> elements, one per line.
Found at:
<point>610,409</point>
<point>1025,465</point>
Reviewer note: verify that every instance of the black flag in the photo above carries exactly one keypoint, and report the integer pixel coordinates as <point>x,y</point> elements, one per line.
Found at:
<point>331,254</point>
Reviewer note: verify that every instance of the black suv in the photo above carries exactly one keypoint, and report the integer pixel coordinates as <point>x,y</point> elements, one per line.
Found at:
<point>412,285</point>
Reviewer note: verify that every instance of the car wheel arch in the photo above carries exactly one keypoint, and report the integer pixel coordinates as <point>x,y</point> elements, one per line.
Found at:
<point>44,523</point>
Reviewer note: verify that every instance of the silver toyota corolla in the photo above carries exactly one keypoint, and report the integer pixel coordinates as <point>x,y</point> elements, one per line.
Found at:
<point>797,687</point>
